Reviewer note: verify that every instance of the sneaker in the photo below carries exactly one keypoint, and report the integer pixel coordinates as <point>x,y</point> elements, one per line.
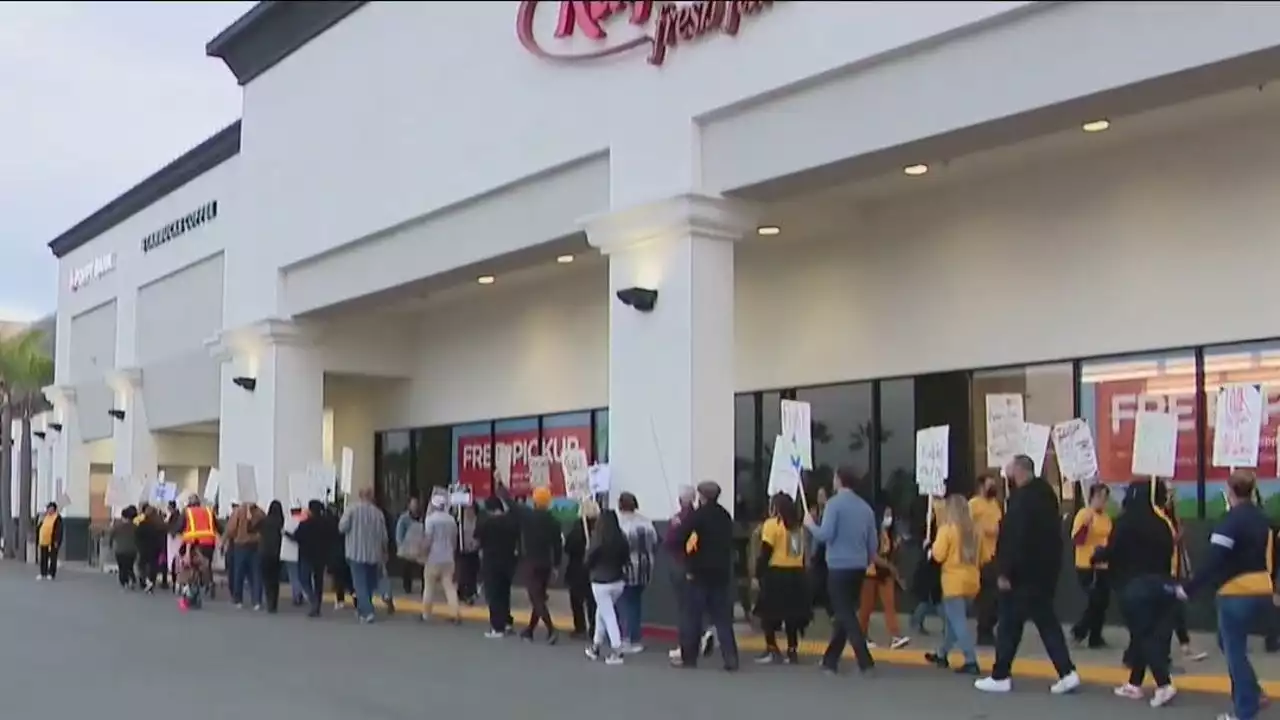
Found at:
<point>553,637</point>
<point>257,607</point>
<point>1129,692</point>
<point>615,658</point>
<point>871,645</point>
<point>1163,695</point>
<point>793,657</point>
<point>673,654</point>
<point>338,605</point>
<point>39,578</point>
<point>1190,654</point>
<point>992,685</point>
<point>969,669</point>
<point>494,634</point>
<point>391,605</point>
<point>1228,716</point>
<point>708,643</point>
<point>768,657</point>
<point>899,642</point>
<point>239,606</point>
<point>632,649</point>
<point>593,652</point>
<point>939,660</point>
<point>1067,683</point>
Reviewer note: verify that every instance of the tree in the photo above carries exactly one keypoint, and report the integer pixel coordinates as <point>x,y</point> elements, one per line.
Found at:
<point>25,368</point>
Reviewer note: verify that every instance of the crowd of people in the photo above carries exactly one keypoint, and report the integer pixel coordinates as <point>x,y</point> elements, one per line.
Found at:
<point>999,557</point>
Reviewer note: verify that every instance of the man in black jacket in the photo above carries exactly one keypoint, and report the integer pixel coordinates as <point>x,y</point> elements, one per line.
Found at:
<point>1029,557</point>
<point>709,570</point>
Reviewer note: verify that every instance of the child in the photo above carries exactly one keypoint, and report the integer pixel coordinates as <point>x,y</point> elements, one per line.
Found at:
<point>193,573</point>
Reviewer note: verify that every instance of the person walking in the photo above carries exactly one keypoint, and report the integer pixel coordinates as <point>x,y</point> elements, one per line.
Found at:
<point>468,556</point>
<point>577,577</point>
<point>271,540</point>
<point>316,539</point>
<point>881,585</point>
<point>441,537</point>
<point>643,540</point>
<point>48,542</point>
<point>1029,559</point>
<point>850,540</point>
<point>987,513</point>
<point>409,570</point>
<point>1089,531</point>
<point>607,556</point>
<point>244,534</point>
<point>957,548</point>
<point>289,558</point>
<point>1240,568</point>
<point>499,537</point>
<point>709,546</point>
<point>1142,553</point>
<point>542,549</point>
<point>783,602</point>
<point>364,532</point>
<point>124,542</point>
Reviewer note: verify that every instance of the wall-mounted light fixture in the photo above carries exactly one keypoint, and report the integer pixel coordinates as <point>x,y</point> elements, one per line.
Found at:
<point>641,299</point>
<point>117,414</point>
<point>39,433</point>
<point>56,427</point>
<point>247,383</point>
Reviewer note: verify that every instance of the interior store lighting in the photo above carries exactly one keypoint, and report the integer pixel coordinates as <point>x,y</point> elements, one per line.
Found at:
<point>485,279</point>
<point>1095,126</point>
<point>768,230</point>
<point>564,259</point>
<point>916,170</point>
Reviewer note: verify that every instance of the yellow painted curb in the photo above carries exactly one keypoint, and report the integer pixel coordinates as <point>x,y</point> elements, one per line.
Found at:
<point>1022,668</point>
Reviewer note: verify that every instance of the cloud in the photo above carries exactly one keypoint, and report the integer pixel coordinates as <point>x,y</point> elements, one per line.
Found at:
<point>94,97</point>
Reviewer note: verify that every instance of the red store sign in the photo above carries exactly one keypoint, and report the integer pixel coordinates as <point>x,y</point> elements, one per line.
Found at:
<point>668,24</point>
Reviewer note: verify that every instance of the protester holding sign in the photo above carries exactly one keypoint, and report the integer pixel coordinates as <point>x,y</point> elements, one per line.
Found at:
<point>1089,531</point>
<point>784,602</point>
<point>987,512</point>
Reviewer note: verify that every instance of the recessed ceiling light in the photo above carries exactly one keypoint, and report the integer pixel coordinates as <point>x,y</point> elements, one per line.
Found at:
<point>768,230</point>
<point>564,259</point>
<point>1096,125</point>
<point>916,170</point>
<point>485,279</point>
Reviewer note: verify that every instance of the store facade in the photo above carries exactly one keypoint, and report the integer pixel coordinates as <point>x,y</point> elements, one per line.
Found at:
<point>887,209</point>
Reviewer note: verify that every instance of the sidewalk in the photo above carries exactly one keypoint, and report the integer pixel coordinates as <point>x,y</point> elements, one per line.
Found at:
<point>1099,667</point>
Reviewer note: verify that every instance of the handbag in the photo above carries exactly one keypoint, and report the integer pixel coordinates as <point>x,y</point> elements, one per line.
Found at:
<point>414,546</point>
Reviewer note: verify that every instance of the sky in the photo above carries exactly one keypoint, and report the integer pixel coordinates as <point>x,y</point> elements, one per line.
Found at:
<point>95,97</point>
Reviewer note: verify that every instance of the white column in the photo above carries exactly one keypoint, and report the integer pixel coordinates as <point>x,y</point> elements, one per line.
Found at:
<point>278,426</point>
<point>70,466</point>
<point>133,444</point>
<point>671,371</point>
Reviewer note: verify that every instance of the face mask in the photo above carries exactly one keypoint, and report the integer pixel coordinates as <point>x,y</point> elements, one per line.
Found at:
<point>989,492</point>
<point>887,522</point>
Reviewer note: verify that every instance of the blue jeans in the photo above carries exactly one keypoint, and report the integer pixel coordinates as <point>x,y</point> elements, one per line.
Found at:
<point>364,580</point>
<point>384,584</point>
<point>955,630</point>
<point>248,569</point>
<point>1236,616</point>
<point>630,611</point>
<point>297,571</point>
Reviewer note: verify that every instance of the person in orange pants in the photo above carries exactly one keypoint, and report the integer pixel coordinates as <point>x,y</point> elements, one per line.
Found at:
<point>882,583</point>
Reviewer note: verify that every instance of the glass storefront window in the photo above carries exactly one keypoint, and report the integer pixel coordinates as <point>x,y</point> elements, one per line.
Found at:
<point>753,503</point>
<point>746,459</point>
<point>471,452</point>
<point>1048,398</point>
<point>601,440</point>
<point>897,481</point>
<point>521,435</point>
<point>567,431</point>
<point>1255,364</point>
<point>842,432</point>
<point>1113,390</point>
<point>395,466</point>
<point>431,459</point>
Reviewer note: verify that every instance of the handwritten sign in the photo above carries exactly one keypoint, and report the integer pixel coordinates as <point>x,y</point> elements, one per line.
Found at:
<point>1155,444</point>
<point>1237,429</point>
<point>211,486</point>
<point>933,460</point>
<point>796,419</point>
<point>599,479</point>
<point>784,473</point>
<point>1035,444</point>
<point>539,471</point>
<point>348,470</point>
<point>502,464</point>
<point>573,465</point>
<point>1077,455</point>
<point>1005,429</point>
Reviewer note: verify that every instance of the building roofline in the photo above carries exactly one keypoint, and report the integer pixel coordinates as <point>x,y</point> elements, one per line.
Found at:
<point>272,31</point>
<point>201,159</point>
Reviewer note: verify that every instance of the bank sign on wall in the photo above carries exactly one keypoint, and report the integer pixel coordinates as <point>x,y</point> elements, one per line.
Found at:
<point>474,457</point>
<point>91,271</point>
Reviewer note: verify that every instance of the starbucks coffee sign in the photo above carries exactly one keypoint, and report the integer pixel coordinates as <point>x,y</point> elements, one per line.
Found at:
<point>204,214</point>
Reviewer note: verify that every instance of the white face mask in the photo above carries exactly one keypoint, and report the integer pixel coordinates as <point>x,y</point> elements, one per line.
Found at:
<point>887,522</point>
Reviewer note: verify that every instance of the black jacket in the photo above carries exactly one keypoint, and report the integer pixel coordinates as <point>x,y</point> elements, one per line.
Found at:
<point>499,539</point>
<point>270,531</point>
<point>541,544</point>
<point>607,562</point>
<point>1030,544</point>
<point>575,553</point>
<point>1141,544</point>
<point>712,559</point>
<point>317,539</point>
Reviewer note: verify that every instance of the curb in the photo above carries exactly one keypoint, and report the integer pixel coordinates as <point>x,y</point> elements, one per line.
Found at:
<point>1026,668</point>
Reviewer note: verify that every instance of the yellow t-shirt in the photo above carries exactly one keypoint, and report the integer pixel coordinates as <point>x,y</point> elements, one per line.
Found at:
<point>987,513</point>
<point>46,530</point>
<point>959,579</point>
<point>1095,537</point>
<point>787,546</point>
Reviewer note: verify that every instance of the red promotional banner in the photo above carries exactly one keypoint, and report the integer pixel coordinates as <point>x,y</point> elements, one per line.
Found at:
<point>1117,404</point>
<point>475,457</point>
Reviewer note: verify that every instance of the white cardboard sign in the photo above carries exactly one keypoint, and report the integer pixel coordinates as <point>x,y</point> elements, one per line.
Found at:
<point>1077,455</point>
<point>1237,428</point>
<point>796,426</point>
<point>933,460</point>
<point>1005,428</point>
<point>1155,444</point>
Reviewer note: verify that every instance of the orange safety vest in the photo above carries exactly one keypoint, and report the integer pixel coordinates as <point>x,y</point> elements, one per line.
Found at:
<point>200,528</point>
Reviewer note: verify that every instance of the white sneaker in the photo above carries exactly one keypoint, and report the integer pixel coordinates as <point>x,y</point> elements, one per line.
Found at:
<point>1068,683</point>
<point>1129,692</point>
<point>1163,695</point>
<point>494,634</point>
<point>258,608</point>
<point>339,605</point>
<point>39,578</point>
<point>615,658</point>
<point>992,685</point>
<point>673,654</point>
<point>630,649</point>
<point>899,642</point>
<point>871,645</point>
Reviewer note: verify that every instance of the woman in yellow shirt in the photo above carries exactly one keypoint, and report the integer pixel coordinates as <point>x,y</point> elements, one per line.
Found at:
<point>957,548</point>
<point>1089,531</point>
<point>784,588</point>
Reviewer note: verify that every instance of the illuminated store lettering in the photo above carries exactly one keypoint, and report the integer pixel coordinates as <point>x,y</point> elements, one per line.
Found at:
<point>192,220</point>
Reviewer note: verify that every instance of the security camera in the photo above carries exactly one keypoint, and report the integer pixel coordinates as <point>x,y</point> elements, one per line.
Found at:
<point>642,299</point>
<point>247,383</point>
<point>117,414</point>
